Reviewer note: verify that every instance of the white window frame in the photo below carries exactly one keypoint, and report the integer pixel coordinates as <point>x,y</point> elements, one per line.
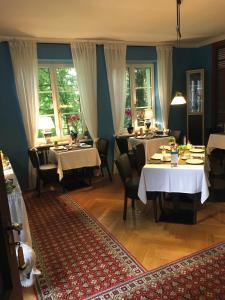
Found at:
<point>55,98</point>
<point>132,67</point>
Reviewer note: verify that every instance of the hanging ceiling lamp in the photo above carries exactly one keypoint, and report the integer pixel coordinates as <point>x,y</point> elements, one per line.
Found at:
<point>178,98</point>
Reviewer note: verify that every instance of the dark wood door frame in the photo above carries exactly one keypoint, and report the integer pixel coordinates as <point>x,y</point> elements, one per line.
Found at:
<point>10,287</point>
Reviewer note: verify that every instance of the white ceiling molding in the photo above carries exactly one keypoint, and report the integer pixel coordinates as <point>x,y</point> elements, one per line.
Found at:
<point>211,41</point>
<point>184,44</point>
<point>68,41</point>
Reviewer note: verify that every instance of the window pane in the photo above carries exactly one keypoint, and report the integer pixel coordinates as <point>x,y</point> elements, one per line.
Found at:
<point>44,79</point>
<point>69,100</point>
<point>66,79</point>
<point>128,114</point>
<point>128,95</point>
<point>140,117</point>
<point>142,77</point>
<point>143,87</point>
<point>45,103</point>
<point>59,98</point>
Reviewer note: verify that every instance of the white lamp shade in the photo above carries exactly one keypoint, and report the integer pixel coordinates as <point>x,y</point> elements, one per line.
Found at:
<point>178,99</point>
<point>45,123</point>
<point>148,114</point>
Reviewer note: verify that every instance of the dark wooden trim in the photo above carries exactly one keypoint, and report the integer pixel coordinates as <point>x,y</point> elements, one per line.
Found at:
<point>215,47</point>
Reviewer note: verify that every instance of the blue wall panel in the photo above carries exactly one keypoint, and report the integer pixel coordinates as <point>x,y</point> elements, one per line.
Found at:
<point>12,136</point>
<point>105,122</point>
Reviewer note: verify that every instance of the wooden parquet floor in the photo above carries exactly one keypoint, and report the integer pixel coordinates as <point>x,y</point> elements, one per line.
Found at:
<point>152,244</point>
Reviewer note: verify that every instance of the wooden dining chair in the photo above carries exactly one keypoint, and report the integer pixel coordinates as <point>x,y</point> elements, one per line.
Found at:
<point>102,145</point>
<point>131,183</point>
<point>122,143</point>
<point>140,157</point>
<point>45,172</point>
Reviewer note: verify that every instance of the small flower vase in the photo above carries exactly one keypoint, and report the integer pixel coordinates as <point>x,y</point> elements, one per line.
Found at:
<point>73,136</point>
<point>130,129</point>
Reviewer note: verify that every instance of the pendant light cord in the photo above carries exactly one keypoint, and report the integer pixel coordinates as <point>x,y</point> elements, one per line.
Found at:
<point>178,23</point>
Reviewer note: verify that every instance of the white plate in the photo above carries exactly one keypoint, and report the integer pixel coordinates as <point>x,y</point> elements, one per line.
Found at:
<point>165,147</point>
<point>156,156</point>
<point>85,146</point>
<point>194,161</point>
<point>59,148</point>
<point>196,150</point>
<point>185,157</point>
<point>166,159</point>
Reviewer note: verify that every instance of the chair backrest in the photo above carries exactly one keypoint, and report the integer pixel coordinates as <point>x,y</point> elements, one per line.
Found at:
<point>102,145</point>
<point>122,144</point>
<point>140,156</point>
<point>33,155</point>
<point>124,167</point>
<point>176,134</point>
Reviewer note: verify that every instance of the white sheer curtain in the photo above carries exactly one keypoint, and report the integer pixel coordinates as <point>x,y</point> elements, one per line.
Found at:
<point>115,57</point>
<point>25,67</point>
<point>164,68</point>
<point>84,60</point>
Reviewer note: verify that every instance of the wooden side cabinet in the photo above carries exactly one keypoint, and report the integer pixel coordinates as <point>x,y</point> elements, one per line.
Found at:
<point>195,106</point>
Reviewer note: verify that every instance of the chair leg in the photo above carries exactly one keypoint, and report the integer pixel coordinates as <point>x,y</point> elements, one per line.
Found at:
<point>37,179</point>
<point>125,207</point>
<point>102,172</point>
<point>133,203</point>
<point>107,167</point>
<point>155,207</point>
<point>39,187</point>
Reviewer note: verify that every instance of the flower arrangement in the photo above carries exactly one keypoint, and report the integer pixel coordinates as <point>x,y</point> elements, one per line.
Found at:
<point>128,117</point>
<point>73,122</point>
<point>128,120</point>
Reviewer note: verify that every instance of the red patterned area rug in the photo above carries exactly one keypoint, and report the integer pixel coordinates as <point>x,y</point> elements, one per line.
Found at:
<point>200,276</point>
<point>76,255</point>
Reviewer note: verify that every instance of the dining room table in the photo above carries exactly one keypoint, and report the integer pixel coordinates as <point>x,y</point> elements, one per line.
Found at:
<point>74,156</point>
<point>151,143</point>
<point>190,177</point>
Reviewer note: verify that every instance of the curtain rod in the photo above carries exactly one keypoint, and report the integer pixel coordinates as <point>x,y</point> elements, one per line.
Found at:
<point>68,41</point>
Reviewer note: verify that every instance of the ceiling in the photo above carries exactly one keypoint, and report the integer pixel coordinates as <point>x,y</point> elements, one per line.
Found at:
<point>143,21</point>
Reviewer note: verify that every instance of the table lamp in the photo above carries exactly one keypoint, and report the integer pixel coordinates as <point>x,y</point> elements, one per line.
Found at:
<point>148,117</point>
<point>46,124</point>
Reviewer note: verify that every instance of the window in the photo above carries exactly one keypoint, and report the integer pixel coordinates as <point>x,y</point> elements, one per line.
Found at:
<point>139,93</point>
<point>59,99</point>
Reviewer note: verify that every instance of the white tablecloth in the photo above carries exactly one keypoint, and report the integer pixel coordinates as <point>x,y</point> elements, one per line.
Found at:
<point>151,145</point>
<point>181,179</point>
<point>74,159</point>
<point>18,210</point>
<point>215,141</point>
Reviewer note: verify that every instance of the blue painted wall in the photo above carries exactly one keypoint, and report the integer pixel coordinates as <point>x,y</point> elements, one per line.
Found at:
<point>50,53</point>
<point>12,136</point>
